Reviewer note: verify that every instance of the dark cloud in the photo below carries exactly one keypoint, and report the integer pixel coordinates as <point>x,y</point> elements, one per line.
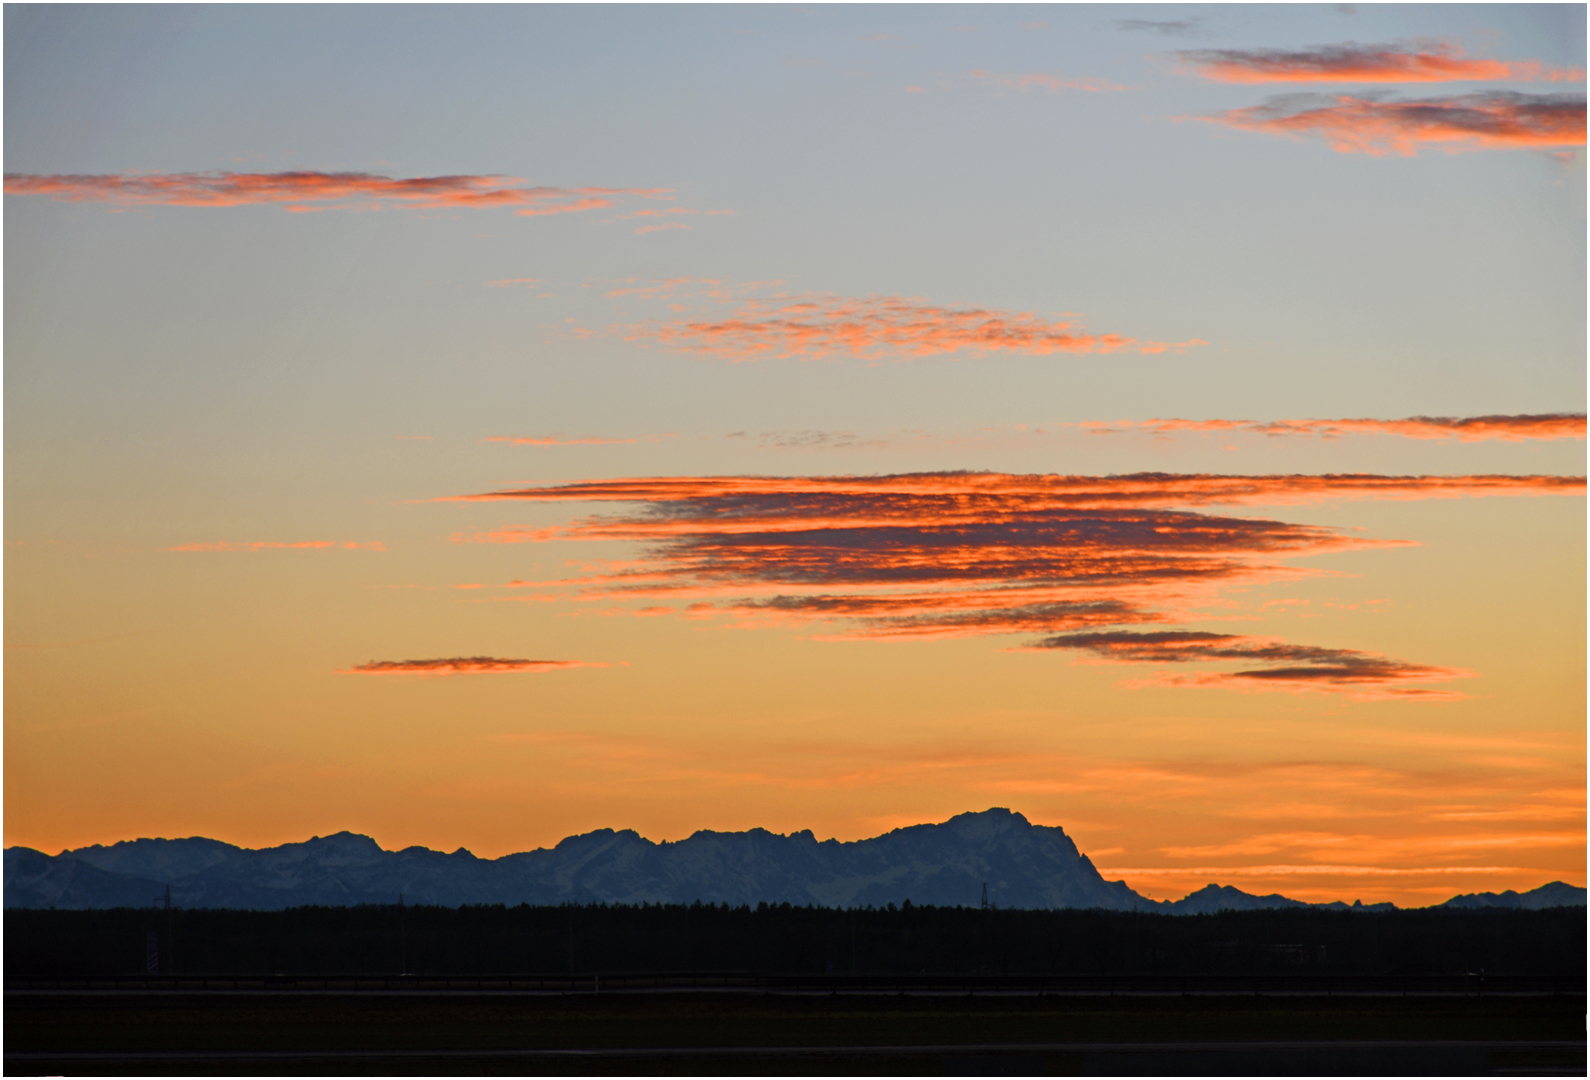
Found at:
<point>1295,667</point>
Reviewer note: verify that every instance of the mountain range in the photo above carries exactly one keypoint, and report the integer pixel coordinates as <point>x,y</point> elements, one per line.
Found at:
<point>1020,864</point>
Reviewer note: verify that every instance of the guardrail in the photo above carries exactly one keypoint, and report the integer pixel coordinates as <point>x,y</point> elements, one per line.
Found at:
<point>879,983</point>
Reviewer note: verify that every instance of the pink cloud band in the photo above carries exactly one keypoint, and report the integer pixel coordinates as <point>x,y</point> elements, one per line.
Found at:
<point>311,190</point>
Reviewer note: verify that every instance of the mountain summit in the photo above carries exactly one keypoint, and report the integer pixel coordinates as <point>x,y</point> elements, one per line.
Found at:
<point>1022,865</point>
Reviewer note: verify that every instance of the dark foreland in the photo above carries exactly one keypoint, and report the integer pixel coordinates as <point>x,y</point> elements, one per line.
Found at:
<point>781,990</point>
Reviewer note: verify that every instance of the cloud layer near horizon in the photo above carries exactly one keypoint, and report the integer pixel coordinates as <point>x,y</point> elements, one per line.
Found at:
<point>310,190</point>
<point>812,327</point>
<point>1493,120</point>
<point>958,554</point>
<point>1418,62</point>
<point>460,665</point>
<point>1464,428</point>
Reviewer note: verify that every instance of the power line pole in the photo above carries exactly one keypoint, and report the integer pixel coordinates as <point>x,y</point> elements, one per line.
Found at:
<point>171,941</point>
<point>403,937</point>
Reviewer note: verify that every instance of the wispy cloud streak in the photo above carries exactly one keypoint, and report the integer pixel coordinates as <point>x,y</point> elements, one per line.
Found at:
<point>1417,62</point>
<point>968,496</point>
<point>307,190</point>
<point>1296,668</point>
<point>1042,80</point>
<point>1464,428</point>
<point>876,327</point>
<point>1496,120</point>
<point>461,665</point>
<point>563,440</point>
<point>273,545</point>
<point>1170,28</point>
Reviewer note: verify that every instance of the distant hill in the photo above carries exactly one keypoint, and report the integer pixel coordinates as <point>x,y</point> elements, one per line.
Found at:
<point>1213,898</point>
<point>1555,894</point>
<point>1023,865</point>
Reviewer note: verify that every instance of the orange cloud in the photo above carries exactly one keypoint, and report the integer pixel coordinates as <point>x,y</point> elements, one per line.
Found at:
<point>314,190</point>
<point>816,326</point>
<point>460,665</point>
<point>1297,668</point>
<point>1439,61</point>
<point>1464,428</point>
<point>1040,80</point>
<point>268,545</point>
<point>918,556</point>
<point>957,554</point>
<point>1497,120</point>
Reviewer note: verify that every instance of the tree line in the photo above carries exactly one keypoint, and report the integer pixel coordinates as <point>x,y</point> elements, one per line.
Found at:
<point>781,938</point>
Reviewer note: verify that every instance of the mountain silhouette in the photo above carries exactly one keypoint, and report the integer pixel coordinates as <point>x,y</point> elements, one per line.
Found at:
<point>948,864</point>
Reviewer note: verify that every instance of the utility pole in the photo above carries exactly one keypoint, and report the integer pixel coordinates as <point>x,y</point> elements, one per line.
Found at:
<point>985,896</point>
<point>171,942</point>
<point>403,938</point>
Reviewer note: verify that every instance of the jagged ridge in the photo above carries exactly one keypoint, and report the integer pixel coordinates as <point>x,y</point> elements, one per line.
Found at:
<point>1024,866</point>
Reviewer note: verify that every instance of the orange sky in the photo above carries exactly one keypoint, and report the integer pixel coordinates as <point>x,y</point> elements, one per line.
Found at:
<point>834,419</point>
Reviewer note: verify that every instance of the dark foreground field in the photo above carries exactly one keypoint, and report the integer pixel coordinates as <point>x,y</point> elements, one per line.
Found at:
<point>748,1032</point>
<point>795,991</point>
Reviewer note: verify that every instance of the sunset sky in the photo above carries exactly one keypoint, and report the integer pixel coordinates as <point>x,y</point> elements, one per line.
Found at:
<point>475,426</point>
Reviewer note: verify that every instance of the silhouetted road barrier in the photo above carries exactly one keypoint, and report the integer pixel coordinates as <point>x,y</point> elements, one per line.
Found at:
<point>1330,1058</point>
<point>755,982</point>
